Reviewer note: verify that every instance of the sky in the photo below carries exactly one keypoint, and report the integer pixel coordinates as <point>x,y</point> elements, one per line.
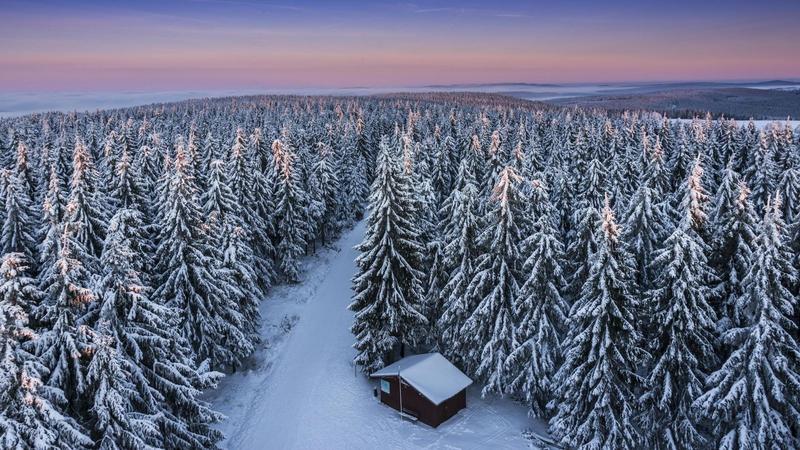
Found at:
<point>63,45</point>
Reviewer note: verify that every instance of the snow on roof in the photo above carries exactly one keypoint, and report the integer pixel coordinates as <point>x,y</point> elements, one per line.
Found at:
<point>429,373</point>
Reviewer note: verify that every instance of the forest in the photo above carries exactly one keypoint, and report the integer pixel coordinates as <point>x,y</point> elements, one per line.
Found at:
<point>629,278</point>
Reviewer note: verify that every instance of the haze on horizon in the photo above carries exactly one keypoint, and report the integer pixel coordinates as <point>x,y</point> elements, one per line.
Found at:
<point>58,45</point>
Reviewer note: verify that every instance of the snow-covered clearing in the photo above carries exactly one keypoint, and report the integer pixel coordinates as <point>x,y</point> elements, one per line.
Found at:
<point>301,391</point>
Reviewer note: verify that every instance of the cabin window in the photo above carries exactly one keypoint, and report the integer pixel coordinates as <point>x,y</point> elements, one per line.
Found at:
<point>385,387</point>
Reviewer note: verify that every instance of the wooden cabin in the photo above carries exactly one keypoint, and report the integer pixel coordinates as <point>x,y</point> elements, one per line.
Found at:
<point>429,388</point>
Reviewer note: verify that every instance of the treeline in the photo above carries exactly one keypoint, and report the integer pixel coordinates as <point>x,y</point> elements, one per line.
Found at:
<point>137,244</point>
<point>631,279</point>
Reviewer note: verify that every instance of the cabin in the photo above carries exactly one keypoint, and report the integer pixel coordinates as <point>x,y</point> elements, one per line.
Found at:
<point>424,387</point>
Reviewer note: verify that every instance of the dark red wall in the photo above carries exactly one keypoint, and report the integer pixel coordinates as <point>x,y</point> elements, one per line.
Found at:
<point>418,405</point>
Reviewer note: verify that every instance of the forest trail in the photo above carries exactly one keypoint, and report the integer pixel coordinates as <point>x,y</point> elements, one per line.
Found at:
<point>309,397</point>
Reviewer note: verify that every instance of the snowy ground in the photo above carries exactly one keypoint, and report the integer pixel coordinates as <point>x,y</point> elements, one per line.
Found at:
<point>300,390</point>
<point>760,124</point>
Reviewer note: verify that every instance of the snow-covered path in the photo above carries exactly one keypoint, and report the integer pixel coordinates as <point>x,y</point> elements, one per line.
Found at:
<point>307,395</point>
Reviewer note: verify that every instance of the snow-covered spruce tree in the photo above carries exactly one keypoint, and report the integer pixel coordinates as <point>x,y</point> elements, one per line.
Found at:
<point>326,176</point>
<point>680,161</point>
<point>489,329</point>
<point>65,344</point>
<point>314,204</point>
<point>435,280</point>
<point>541,313</point>
<point>18,291</point>
<point>581,241</point>
<point>25,172</point>
<point>85,211</point>
<point>53,210</point>
<point>442,172</point>
<point>241,179</point>
<point>112,148</point>
<point>290,226</point>
<point>416,176</point>
<point>459,252</point>
<point>124,407</point>
<point>354,183</point>
<point>264,208</point>
<point>126,190</point>
<point>595,396</point>
<point>646,221</point>
<point>19,234</point>
<point>218,200</point>
<point>388,286</point>
<point>494,164</point>
<point>211,151</point>
<point>725,201</point>
<point>240,263</point>
<point>161,192</point>
<point>62,160</point>
<point>696,202</point>
<point>754,398</point>
<point>789,189</point>
<point>761,175</point>
<point>115,422</point>
<point>165,379</point>
<point>30,412</point>
<point>734,223</point>
<point>684,323</point>
<point>147,172</point>
<point>192,279</point>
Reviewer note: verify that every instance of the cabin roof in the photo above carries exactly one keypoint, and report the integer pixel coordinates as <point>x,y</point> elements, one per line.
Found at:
<point>431,374</point>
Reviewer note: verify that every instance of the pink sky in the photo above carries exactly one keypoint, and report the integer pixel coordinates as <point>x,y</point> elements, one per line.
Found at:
<point>209,48</point>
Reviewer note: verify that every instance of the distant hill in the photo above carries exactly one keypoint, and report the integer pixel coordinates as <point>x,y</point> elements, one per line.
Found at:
<point>736,102</point>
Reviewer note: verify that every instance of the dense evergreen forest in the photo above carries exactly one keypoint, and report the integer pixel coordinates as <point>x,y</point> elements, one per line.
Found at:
<point>629,278</point>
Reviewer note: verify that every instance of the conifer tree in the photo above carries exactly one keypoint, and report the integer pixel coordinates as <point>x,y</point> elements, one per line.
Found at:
<point>388,286</point>
<point>192,279</point>
<point>147,172</point>
<point>789,189</point>
<point>696,203</point>
<point>761,175</point>
<point>84,212</point>
<point>442,182</point>
<point>19,231</point>
<point>326,177</point>
<point>459,253</point>
<point>684,321</point>
<point>581,242</point>
<point>25,173</point>
<point>290,226</point>
<point>53,210</point>
<point>646,224</point>
<point>239,261</point>
<point>115,423</point>
<point>218,200</point>
<point>735,225</point>
<point>30,411</point>
<point>354,184</point>
<point>598,379</point>
<point>264,209</point>
<point>753,399</point>
<point>66,345</point>
<point>155,356</point>
<point>680,163</point>
<point>541,313</point>
<point>211,152</point>
<point>127,190</point>
<point>489,329</point>
<point>240,177</point>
